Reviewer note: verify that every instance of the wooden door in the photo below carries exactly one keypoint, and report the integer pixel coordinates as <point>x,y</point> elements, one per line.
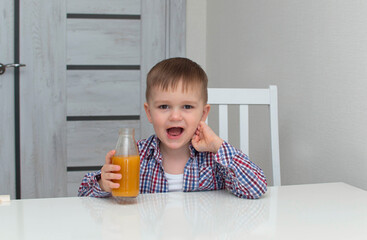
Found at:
<point>7,157</point>
<point>42,98</point>
<point>85,78</point>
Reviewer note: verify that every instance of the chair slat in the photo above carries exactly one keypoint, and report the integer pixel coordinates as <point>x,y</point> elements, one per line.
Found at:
<point>274,135</point>
<point>238,96</point>
<point>244,129</point>
<point>223,122</point>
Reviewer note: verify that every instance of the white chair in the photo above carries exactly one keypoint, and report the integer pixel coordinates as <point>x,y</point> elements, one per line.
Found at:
<point>245,97</point>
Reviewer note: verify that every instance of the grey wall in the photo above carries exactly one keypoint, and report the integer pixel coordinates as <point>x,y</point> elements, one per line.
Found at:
<point>316,52</point>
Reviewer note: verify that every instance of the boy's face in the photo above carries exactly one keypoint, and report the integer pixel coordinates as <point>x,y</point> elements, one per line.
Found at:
<point>175,115</point>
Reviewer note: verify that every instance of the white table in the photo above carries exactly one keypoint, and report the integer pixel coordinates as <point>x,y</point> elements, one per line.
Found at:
<point>315,211</point>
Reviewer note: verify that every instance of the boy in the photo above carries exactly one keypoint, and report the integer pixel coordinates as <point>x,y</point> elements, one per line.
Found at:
<point>184,154</point>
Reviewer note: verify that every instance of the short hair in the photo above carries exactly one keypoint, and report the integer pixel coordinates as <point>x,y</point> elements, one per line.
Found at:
<point>168,73</point>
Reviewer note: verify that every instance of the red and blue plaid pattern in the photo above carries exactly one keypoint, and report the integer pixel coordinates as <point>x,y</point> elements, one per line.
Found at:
<point>229,168</point>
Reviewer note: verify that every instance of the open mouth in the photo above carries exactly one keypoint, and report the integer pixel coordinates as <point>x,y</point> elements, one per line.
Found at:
<point>174,131</point>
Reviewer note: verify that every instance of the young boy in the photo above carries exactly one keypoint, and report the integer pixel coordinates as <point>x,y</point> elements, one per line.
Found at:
<point>184,154</point>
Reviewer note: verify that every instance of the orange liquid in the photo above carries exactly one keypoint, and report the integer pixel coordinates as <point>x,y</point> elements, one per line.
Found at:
<point>130,171</point>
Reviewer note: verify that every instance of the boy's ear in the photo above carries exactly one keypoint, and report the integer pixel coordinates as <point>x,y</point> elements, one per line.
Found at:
<point>205,112</point>
<point>147,111</point>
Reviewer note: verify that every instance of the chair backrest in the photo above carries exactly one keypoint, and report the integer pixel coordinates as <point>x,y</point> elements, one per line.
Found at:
<point>245,97</point>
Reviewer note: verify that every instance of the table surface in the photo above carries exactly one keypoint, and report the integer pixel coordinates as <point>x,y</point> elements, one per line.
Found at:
<point>314,211</point>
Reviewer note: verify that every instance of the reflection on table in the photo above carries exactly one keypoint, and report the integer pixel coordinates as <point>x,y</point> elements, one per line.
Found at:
<point>166,216</point>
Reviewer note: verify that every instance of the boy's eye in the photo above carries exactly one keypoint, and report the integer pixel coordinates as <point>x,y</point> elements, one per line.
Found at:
<point>188,107</point>
<point>163,106</point>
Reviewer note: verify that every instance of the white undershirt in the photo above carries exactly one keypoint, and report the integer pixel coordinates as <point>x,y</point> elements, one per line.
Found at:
<point>175,182</point>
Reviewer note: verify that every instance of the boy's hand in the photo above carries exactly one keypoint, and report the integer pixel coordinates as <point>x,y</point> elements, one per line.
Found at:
<point>205,140</point>
<point>107,174</point>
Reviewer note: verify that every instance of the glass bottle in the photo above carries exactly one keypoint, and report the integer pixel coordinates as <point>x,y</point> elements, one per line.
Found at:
<point>127,156</point>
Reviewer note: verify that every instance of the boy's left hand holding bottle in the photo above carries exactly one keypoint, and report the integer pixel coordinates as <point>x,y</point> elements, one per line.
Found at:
<point>107,174</point>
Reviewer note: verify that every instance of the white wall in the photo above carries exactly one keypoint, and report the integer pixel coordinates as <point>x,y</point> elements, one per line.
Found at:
<point>316,52</point>
<point>196,31</point>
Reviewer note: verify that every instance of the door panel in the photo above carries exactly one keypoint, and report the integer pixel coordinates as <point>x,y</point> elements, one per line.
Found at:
<point>43,98</point>
<point>103,92</point>
<point>7,151</point>
<point>107,7</point>
<point>89,141</point>
<point>103,41</point>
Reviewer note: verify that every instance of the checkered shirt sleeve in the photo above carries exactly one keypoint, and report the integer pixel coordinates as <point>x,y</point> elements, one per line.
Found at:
<point>90,187</point>
<point>240,176</point>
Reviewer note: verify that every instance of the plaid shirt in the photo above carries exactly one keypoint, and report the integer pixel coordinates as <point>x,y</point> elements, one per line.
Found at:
<point>229,168</point>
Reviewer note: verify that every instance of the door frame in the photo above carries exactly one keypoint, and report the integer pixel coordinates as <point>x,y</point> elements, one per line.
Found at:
<point>16,101</point>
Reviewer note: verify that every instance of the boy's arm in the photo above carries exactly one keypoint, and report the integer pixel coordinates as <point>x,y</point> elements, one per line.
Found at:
<point>90,187</point>
<point>240,176</point>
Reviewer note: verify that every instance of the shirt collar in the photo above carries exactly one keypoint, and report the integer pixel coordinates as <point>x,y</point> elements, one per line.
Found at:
<point>154,149</point>
<point>156,153</point>
<point>192,151</point>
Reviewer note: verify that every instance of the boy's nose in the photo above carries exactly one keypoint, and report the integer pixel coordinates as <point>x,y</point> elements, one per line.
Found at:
<point>176,115</point>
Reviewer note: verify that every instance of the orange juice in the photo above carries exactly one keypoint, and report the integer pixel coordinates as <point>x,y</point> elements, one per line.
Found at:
<point>130,171</point>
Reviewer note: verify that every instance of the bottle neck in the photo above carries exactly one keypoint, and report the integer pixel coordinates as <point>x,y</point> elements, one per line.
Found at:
<point>126,145</point>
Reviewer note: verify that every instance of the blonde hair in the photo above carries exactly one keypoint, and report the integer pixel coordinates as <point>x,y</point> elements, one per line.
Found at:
<point>168,73</point>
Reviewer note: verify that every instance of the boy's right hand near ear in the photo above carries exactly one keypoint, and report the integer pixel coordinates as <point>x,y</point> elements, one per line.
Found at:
<point>108,174</point>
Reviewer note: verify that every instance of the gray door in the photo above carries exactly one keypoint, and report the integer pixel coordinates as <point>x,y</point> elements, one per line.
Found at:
<point>42,98</point>
<point>84,79</point>
<point>7,158</point>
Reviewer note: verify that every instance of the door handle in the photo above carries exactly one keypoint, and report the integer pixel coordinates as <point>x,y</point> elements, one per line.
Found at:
<point>3,67</point>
